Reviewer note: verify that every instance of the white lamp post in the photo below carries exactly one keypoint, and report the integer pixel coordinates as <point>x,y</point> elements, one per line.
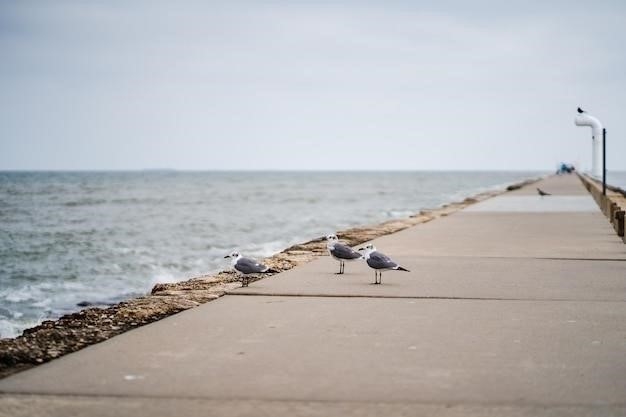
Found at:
<point>585,119</point>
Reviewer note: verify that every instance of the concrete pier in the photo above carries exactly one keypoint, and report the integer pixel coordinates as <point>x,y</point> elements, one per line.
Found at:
<point>513,306</point>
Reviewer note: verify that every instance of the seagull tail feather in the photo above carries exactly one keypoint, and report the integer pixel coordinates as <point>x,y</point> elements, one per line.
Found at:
<point>399,268</point>
<point>271,271</point>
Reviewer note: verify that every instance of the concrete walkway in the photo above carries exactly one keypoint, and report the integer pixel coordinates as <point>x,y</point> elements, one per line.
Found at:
<point>514,306</point>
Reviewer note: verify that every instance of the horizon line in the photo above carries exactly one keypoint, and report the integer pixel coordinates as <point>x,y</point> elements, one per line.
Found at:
<point>61,170</point>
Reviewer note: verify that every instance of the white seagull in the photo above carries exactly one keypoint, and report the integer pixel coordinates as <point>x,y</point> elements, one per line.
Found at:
<point>341,252</point>
<point>379,262</point>
<point>247,266</point>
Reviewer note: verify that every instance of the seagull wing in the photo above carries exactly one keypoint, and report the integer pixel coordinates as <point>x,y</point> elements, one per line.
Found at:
<point>378,260</point>
<point>342,251</point>
<point>249,266</point>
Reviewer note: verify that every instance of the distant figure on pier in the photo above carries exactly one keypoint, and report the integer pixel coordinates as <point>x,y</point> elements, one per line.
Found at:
<point>541,192</point>
<point>565,169</point>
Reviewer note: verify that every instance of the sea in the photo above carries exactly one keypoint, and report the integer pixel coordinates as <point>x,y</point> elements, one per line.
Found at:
<point>75,239</point>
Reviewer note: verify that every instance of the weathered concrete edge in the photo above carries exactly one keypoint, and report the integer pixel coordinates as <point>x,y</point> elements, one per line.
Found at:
<point>72,332</point>
<point>613,204</point>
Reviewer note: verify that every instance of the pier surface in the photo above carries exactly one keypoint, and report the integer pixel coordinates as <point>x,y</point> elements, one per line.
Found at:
<point>514,306</point>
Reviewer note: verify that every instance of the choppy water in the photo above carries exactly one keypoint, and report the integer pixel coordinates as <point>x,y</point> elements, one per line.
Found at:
<point>100,237</point>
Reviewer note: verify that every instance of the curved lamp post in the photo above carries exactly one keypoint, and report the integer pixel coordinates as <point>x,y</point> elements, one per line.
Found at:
<point>585,119</point>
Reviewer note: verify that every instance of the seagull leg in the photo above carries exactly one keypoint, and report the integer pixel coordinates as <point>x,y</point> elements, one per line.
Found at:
<point>343,267</point>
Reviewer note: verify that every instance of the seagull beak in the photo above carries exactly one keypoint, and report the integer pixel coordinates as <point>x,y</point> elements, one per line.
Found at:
<point>227,256</point>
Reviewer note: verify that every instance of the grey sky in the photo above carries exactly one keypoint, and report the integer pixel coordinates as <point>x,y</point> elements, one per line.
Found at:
<point>308,85</point>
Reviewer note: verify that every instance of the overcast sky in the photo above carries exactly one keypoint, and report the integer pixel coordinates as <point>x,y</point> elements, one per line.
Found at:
<point>309,85</point>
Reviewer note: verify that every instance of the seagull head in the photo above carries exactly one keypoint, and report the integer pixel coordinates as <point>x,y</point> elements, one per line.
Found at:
<point>368,249</point>
<point>332,238</point>
<point>234,255</point>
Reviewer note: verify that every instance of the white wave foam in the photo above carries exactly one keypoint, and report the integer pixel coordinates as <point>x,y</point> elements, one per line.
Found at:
<point>164,278</point>
<point>13,328</point>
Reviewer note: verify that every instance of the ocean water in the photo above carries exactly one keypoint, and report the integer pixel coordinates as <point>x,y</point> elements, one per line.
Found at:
<point>616,178</point>
<point>69,238</point>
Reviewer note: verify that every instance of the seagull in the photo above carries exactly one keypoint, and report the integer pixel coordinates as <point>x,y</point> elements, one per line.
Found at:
<point>541,192</point>
<point>247,266</point>
<point>380,262</point>
<point>341,252</point>
<point>580,110</point>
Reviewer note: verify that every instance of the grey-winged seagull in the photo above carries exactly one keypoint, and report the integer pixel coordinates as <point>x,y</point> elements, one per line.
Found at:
<point>379,262</point>
<point>247,266</point>
<point>341,252</point>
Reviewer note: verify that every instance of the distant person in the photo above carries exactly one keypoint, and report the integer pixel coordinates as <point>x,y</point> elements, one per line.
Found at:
<point>565,169</point>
